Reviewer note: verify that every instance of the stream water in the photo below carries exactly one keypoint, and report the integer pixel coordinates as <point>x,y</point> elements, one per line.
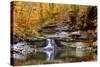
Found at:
<point>25,54</point>
<point>50,44</point>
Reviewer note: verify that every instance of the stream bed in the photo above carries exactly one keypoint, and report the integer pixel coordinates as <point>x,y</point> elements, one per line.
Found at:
<point>24,53</point>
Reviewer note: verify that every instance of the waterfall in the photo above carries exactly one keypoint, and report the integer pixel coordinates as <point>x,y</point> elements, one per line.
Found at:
<point>50,44</point>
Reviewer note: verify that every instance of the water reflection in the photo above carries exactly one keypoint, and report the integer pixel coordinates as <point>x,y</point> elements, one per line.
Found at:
<point>41,55</point>
<point>52,54</point>
<point>79,52</point>
<point>19,56</point>
<point>49,54</point>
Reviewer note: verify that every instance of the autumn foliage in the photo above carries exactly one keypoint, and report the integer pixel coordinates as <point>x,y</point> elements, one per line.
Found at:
<point>28,18</point>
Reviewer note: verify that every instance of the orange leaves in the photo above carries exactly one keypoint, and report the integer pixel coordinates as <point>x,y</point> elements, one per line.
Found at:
<point>29,17</point>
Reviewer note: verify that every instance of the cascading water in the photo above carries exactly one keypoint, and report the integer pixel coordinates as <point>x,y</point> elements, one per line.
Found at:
<point>50,44</point>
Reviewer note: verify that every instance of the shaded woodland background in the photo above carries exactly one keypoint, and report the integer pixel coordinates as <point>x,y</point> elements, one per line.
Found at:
<point>28,18</point>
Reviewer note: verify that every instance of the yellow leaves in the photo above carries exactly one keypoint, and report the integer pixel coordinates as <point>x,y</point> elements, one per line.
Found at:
<point>35,33</point>
<point>82,11</point>
<point>28,17</point>
<point>57,8</point>
<point>73,7</point>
